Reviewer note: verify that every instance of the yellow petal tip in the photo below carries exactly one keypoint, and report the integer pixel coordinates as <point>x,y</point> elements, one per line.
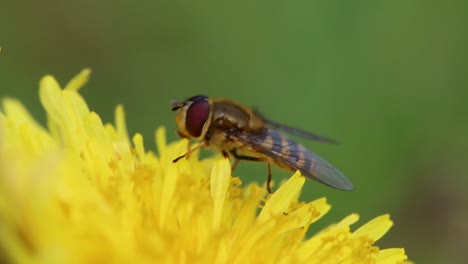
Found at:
<point>79,80</point>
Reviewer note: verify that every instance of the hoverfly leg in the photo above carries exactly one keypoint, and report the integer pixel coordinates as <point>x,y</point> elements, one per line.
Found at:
<point>269,178</point>
<point>190,151</point>
<point>178,158</point>
<point>234,165</point>
<point>239,158</point>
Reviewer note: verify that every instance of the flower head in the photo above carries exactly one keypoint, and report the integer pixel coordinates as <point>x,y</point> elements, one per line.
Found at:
<point>80,191</point>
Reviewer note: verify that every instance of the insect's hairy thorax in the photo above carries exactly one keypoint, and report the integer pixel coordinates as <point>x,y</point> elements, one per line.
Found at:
<point>227,115</point>
<point>229,118</point>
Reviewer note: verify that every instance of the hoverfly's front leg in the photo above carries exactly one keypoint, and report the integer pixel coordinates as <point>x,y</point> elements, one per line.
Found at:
<point>190,151</point>
<point>258,159</point>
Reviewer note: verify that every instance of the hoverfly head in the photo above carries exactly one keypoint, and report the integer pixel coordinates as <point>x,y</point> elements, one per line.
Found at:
<point>193,118</point>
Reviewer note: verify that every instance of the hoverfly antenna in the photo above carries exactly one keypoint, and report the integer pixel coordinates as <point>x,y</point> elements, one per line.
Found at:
<point>176,105</point>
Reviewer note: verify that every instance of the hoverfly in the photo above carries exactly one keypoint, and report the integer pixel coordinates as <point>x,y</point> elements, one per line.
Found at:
<point>241,133</point>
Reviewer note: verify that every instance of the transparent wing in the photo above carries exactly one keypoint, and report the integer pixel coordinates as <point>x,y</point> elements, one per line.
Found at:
<point>299,132</point>
<point>294,131</point>
<point>288,153</point>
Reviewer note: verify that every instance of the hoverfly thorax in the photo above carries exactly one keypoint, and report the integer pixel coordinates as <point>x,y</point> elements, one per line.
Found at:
<point>194,117</point>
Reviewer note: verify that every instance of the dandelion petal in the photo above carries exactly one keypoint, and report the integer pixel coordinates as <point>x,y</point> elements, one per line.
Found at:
<point>220,177</point>
<point>282,198</point>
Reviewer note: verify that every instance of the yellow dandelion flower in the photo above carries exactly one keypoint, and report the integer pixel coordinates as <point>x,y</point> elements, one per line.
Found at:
<point>80,191</point>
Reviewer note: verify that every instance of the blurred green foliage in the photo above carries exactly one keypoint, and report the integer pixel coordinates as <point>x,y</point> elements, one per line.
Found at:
<point>387,79</point>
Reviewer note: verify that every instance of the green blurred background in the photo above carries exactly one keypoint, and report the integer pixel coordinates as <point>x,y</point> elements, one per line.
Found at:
<point>387,79</point>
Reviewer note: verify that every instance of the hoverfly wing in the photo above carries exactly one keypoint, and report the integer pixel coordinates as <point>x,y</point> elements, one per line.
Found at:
<point>295,131</point>
<point>298,132</point>
<point>288,153</point>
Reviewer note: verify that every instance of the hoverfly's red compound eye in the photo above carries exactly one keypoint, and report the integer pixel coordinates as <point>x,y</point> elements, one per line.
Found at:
<point>197,114</point>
